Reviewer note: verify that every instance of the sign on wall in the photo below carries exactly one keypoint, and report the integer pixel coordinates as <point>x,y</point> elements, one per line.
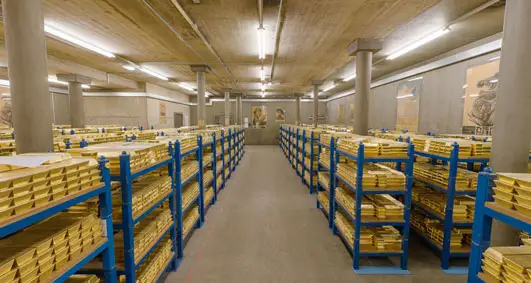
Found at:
<point>407,105</point>
<point>259,118</point>
<point>162,113</point>
<point>480,98</point>
<point>280,115</point>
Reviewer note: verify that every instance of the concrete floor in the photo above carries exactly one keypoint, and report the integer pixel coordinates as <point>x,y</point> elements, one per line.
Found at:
<point>265,228</point>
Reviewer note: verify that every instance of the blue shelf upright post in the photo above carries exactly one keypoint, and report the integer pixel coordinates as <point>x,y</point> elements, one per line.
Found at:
<point>223,177</point>
<point>214,168</point>
<point>297,136</point>
<point>303,155</point>
<point>173,203</point>
<point>313,186</point>
<point>407,205</point>
<point>199,179</point>
<point>179,197</point>
<point>126,182</point>
<point>359,196</point>
<point>449,213</point>
<point>105,207</point>
<point>332,187</point>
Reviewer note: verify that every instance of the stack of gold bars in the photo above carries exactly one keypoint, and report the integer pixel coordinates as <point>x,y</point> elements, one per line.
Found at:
<point>151,269</point>
<point>187,142</point>
<point>39,252</point>
<point>324,179</point>
<point>208,195</point>
<point>189,193</point>
<point>142,154</point>
<point>24,190</point>
<point>147,191</point>
<point>435,202</point>
<point>188,169</point>
<point>373,207</point>
<point>374,147</point>
<point>308,164</point>
<point>208,175</point>
<point>82,278</point>
<point>7,147</point>
<point>467,148</point>
<point>465,181</point>
<point>374,176</point>
<point>146,135</point>
<point>313,177</point>
<point>324,158</point>
<point>434,230</point>
<point>189,220</point>
<point>324,199</point>
<point>146,234</point>
<point>513,191</point>
<point>525,238</point>
<point>506,264</point>
<point>383,238</point>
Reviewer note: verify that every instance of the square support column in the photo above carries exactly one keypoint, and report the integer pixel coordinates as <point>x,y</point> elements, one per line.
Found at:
<point>75,93</point>
<point>201,71</point>
<point>316,84</point>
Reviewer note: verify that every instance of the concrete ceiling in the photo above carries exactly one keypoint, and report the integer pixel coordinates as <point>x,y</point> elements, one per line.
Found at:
<point>312,44</point>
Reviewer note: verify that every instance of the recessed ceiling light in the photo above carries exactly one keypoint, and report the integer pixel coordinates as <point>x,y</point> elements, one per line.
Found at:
<point>4,83</point>
<point>405,96</point>
<point>494,58</point>
<point>329,88</point>
<point>349,78</point>
<point>415,79</point>
<point>262,74</point>
<point>465,86</point>
<point>129,67</point>
<point>261,43</point>
<point>155,74</point>
<point>418,43</point>
<point>181,85</point>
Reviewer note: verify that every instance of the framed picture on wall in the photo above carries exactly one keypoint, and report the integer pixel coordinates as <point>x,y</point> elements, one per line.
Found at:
<point>280,115</point>
<point>259,118</point>
<point>162,113</point>
<point>480,98</point>
<point>407,104</point>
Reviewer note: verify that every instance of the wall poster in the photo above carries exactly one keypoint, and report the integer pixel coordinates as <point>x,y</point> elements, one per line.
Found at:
<point>162,113</point>
<point>280,115</point>
<point>407,105</point>
<point>480,98</point>
<point>259,119</point>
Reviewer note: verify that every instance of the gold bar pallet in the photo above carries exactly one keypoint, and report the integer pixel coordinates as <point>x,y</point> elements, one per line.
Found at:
<point>42,240</point>
<point>510,205</point>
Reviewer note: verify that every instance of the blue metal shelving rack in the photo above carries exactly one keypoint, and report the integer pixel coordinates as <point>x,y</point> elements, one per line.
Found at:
<point>485,212</point>
<point>179,184</point>
<point>453,162</point>
<point>126,178</point>
<point>221,170</point>
<point>311,152</point>
<point>105,209</point>
<point>212,164</point>
<point>331,173</point>
<point>357,221</point>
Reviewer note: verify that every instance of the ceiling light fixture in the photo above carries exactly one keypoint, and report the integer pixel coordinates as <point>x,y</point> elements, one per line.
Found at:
<point>415,79</point>
<point>56,81</point>
<point>474,95</point>
<point>181,85</point>
<point>493,81</point>
<point>262,74</point>
<point>270,83</point>
<point>405,96</point>
<point>263,94</point>
<point>418,43</point>
<point>494,58</point>
<point>261,43</point>
<point>465,86</point>
<point>129,67</point>
<point>329,88</point>
<point>150,72</point>
<point>4,83</point>
<point>262,87</point>
<point>66,37</point>
<point>85,86</point>
<point>349,78</point>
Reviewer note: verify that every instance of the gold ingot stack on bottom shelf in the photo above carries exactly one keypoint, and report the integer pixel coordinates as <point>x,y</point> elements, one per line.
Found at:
<point>434,230</point>
<point>208,176</point>
<point>506,264</point>
<point>190,191</point>
<point>382,239</point>
<point>324,199</point>
<point>324,179</point>
<point>39,252</point>
<point>463,210</point>
<point>189,220</point>
<point>23,190</point>
<point>513,191</point>
<point>151,269</point>
<point>146,233</point>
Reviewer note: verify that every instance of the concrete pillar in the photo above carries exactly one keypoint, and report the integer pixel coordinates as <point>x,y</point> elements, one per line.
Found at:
<point>28,73</point>
<point>75,94</point>
<point>298,109</point>
<point>512,133</point>
<point>316,85</point>
<point>363,50</point>
<point>201,71</point>
<point>239,113</point>
<point>227,107</point>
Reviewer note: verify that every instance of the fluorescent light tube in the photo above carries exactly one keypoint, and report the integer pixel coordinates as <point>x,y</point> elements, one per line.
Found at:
<point>418,43</point>
<point>262,74</point>
<point>129,67</point>
<point>474,95</point>
<point>149,72</point>
<point>85,86</point>
<point>329,88</point>
<point>349,78</point>
<point>66,37</point>
<point>465,86</point>
<point>185,87</point>
<point>493,81</point>
<point>405,96</point>
<point>263,94</point>
<point>56,81</point>
<point>494,58</point>
<point>4,83</point>
<point>261,43</point>
<point>262,87</point>
<point>415,79</point>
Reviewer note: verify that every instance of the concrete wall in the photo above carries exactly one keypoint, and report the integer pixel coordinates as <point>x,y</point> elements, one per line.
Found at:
<point>153,107</point>
<point>128,111</point>
<point>441,100</point>
<point>268,135</point>
<point>61,108</point>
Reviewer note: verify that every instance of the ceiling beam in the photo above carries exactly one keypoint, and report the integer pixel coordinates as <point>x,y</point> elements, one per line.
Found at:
<point>280,23</point>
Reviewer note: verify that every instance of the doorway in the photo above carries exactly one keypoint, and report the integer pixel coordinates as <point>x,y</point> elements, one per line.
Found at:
<point>178,120</point>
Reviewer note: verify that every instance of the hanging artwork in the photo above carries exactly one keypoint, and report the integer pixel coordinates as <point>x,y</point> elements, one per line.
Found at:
<point>259,119</point>
<point>407,105</point>
<point>480,98</point>
<point>162,113</point>
<point>341,114</point>
<point>280,115</point>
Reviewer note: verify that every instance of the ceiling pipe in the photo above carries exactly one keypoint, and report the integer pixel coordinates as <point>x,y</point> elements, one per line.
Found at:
<point>260,13</point>
<point>205,41</point>
<point>280,23</point>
